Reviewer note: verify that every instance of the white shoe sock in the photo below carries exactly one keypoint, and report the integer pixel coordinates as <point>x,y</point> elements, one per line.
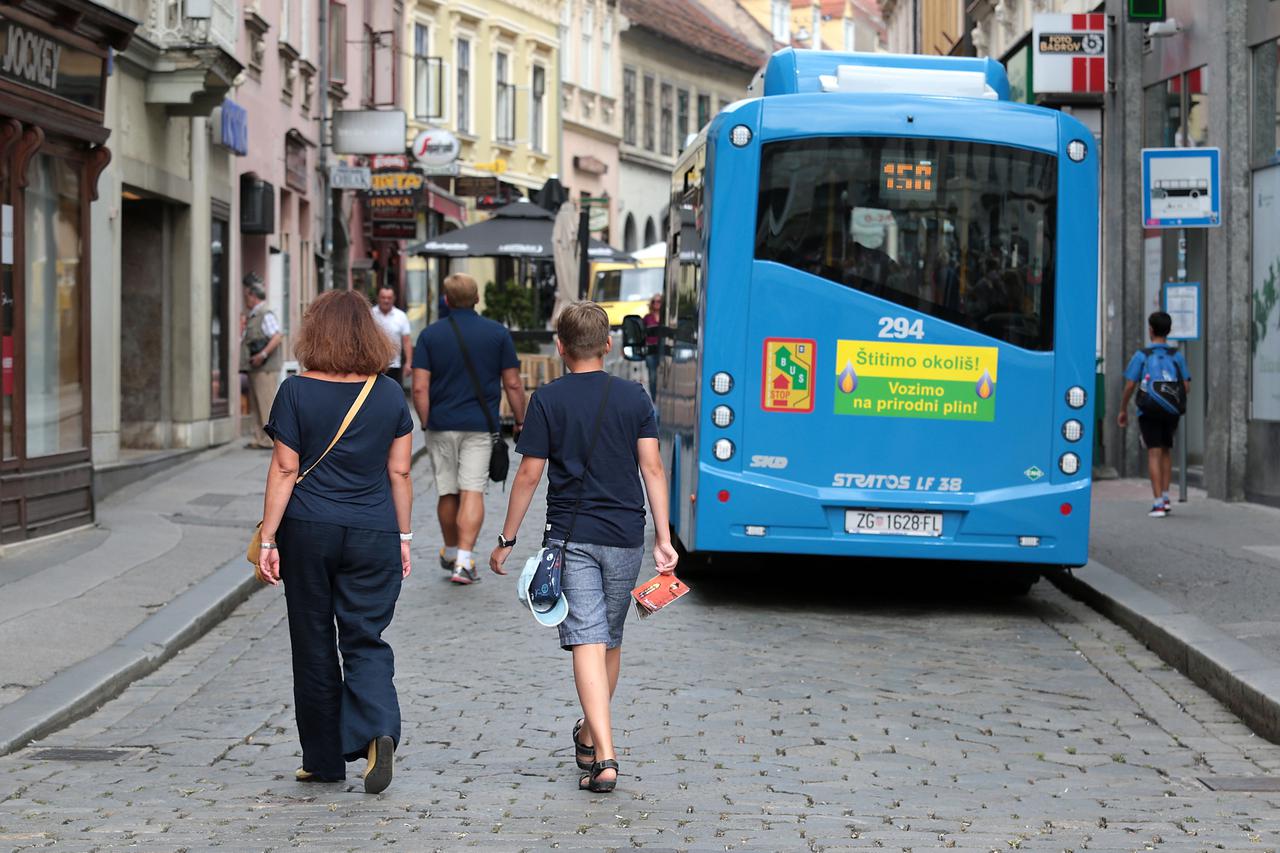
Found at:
<point>450,552</point>
<point>465,558</point>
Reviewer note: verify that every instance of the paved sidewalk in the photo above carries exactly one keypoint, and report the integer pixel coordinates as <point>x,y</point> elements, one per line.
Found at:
<point>1199,588</point>
<point>1219,561</point>
<point>164,564</point>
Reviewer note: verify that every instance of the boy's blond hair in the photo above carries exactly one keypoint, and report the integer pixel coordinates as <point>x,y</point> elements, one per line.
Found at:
<point>461,291</point>
<point>583,328</point>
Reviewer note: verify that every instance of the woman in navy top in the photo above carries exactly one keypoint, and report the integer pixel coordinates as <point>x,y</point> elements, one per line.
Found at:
<point>339,538</point>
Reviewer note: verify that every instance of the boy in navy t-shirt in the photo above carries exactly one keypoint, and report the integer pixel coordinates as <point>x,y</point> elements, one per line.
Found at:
<point>603,555</point>
<point>1157,423</point>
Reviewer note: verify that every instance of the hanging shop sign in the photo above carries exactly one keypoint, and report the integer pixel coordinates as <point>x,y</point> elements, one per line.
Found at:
<point>343,177</point>
<point>230,126</point>
<point>38,61</point>
<point>436,148</point>
<point>1070,54</point>
<point>394,199</point>
<point>369,131</point>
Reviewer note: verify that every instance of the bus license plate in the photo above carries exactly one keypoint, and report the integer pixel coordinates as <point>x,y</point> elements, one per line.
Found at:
<point>879,522</point>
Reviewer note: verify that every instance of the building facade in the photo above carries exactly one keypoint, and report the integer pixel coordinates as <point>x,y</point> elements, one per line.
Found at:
<point>488,71</point>
<point>1191,89</point>
<point>852,25</point>
<point>680,66</point>
<point>276,186</point>
<point>53,150</point>
<point>590,77</point>
<point>162,228</point>
<point>935,27</point>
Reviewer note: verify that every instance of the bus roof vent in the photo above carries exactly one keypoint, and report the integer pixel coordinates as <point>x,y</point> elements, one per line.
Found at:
<point>908,81</point>
<point>792,72</point>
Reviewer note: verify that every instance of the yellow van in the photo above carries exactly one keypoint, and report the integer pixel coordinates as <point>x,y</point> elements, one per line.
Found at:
<point>626,288</point>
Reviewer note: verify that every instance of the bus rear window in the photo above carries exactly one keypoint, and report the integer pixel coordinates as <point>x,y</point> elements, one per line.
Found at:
<point>962,231</point>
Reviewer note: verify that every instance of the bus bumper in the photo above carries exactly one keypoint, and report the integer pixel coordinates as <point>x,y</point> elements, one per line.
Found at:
<point>1044,523</point>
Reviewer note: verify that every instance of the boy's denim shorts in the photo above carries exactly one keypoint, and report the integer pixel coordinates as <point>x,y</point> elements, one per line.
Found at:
<point>597,581</point>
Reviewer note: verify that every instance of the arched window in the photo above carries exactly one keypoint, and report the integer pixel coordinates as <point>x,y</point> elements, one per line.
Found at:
<point>650,232</point>
<point>629,234</point>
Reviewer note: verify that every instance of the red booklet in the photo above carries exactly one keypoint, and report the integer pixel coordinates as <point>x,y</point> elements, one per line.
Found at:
<point>653,595</point>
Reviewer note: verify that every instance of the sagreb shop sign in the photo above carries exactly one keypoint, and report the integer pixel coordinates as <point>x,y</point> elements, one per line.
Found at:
<point>35,60</point>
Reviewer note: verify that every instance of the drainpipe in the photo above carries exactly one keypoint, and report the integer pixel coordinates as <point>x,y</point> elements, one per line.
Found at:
<point>326,243</point>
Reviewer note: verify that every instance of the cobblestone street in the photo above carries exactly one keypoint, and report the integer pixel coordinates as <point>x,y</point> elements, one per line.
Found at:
<point>837,717</point>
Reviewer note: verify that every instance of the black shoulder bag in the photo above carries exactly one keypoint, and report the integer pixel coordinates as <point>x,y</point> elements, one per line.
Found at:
<point>544,589</point>
<point>499,460</point>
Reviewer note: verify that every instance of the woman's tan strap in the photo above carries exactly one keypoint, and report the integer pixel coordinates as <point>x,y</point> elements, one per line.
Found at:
<point>346,422</point>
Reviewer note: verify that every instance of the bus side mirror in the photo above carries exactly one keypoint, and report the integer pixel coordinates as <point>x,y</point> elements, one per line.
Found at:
<point>633,338</point>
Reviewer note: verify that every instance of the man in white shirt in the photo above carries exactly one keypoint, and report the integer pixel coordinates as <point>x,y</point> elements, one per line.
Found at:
<point>395,325</point>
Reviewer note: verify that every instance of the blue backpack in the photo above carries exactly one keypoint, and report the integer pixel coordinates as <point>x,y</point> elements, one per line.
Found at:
<point>1163,391</point>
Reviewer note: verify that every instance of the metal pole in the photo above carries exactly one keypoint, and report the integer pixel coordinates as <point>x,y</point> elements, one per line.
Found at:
<point>1182,438</point>
<point>326,240</point>
<point>584,243</point>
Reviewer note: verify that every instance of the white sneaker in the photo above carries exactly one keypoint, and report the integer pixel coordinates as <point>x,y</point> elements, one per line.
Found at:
<point>465,575</point>
<point>1157,511</point>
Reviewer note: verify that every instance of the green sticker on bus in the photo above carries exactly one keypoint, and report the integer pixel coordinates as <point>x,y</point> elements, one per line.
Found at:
<point>901,380</point>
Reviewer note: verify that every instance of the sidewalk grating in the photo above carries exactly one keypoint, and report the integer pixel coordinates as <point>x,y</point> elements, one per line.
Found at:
<point>78,754</point>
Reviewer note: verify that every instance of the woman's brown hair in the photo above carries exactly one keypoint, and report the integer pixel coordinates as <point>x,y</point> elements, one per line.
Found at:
<point>339,335</point>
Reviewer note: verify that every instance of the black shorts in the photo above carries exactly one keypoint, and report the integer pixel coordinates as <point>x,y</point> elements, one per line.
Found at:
<point>1157,430</point>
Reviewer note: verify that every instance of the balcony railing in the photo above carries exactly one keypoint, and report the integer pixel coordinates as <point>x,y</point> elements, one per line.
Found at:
<point>169,26</point>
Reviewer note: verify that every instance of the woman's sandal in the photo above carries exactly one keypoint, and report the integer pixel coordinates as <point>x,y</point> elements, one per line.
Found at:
<point>580,748</point>
<point>596,785</point>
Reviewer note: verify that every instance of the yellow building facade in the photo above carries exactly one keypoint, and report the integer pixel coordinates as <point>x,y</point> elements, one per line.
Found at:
<point>487,70</point>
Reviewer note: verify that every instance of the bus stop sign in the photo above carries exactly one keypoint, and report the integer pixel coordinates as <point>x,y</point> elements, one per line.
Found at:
<point>1180,188</point>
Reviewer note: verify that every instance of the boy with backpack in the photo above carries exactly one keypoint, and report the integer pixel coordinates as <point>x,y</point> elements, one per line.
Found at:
<point>596,436</point>
<point>1159,374</point>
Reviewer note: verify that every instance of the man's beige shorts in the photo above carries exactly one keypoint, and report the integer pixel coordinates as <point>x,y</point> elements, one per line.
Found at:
<point>460,460</point>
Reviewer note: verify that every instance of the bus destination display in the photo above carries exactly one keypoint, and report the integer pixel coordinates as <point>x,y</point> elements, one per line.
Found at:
<point>906,177</point>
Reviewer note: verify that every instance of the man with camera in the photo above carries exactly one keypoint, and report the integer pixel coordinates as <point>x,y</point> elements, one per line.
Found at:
<point>260,356</point>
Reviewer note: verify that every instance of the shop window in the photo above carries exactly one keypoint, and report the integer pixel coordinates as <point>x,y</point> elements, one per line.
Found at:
<point>649,84</point>
<point>464,85</point>
<point>629,106</point>
<point>220,318</point>
<point>1265,144</point>
<point>537,117</point>
<point>665,129</point>
<point>55,383</point>
<point>337,42</point>
<point>682,118</point>
<point>505,100</point>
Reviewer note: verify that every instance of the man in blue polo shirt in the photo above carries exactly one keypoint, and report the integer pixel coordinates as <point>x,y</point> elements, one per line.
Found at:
<point>457,428</point>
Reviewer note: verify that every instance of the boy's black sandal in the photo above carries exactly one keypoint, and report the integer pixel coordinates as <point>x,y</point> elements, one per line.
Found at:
<point>596,785</point>
<point>580,748</point>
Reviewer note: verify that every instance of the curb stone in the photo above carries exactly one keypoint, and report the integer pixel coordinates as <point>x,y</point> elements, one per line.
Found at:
<point>89,684</point>
<point>85,686</point>
<point>1234,673</point>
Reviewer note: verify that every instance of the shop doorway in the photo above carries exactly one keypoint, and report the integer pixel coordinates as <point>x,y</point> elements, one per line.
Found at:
<point>146,270</point>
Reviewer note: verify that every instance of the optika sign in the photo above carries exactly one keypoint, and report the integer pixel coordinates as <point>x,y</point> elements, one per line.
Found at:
<point>30,57</point>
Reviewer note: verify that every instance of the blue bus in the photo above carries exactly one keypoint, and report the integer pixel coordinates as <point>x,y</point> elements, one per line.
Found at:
<point>880,299</point>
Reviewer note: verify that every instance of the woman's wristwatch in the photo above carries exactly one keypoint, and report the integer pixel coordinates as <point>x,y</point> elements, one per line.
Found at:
<point>268,546</point>
<point>406,537</point>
